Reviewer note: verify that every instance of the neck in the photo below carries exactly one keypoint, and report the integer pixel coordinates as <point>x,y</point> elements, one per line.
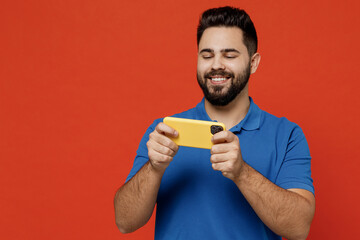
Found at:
<point>231,114</point>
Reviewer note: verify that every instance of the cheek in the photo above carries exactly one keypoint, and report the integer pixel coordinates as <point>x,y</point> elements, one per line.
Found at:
<point>203,66</point>
<point>236,68</point>
<point>200,72</point>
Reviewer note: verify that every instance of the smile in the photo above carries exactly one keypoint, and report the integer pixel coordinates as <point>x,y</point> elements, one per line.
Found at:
<point>218,80</point>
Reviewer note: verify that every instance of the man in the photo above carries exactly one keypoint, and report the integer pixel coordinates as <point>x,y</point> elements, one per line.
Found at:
<point>254,183</point>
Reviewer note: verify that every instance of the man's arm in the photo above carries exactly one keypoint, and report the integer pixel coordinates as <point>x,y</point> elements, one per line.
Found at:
<point>135,201</point>
<point>288,213</point>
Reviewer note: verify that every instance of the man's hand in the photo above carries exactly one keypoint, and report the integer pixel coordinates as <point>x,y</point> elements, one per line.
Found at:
<point>226,154</point>
<point>161,148</point>
<point>135,201</point>
<point>288,213</point>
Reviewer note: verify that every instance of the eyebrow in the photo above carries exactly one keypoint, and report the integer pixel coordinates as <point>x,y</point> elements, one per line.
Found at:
<point>226,50</point>
<point>207,50</point>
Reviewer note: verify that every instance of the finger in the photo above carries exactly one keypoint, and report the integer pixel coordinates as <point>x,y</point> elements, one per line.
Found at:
<point>221,148</point>
<point>157,157</point>
<point>223,137</point>
<point>164,129</point>
<point>218,166</point>
<point>161,148</point>
<point>163,140</point>
<point>224,168</point>
<point>219,158</point>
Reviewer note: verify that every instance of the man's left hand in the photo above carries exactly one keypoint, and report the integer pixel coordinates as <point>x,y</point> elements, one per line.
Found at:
<point>226,154</point>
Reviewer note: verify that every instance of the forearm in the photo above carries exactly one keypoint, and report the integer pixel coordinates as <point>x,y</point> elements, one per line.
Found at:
<point>286,213</point>
<point>135,201</point>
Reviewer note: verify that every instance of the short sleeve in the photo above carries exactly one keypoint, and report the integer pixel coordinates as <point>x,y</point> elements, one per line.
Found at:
<point>295,171</point>
<point>142,151</point>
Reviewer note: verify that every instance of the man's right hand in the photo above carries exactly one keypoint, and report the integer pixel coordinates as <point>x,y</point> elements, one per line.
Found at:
<point>161,149</point>
<point>135,200</point>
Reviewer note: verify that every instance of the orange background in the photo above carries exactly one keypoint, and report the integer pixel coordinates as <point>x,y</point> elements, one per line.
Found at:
<point>80,81</point>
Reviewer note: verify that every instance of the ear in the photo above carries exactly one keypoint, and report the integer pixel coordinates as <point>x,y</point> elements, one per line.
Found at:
<point>255,61</point>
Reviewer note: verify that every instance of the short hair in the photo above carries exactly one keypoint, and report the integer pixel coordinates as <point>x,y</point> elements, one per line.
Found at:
<point>229,17</point>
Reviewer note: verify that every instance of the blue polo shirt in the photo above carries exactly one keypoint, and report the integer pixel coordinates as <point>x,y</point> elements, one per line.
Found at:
<point>196,202</point>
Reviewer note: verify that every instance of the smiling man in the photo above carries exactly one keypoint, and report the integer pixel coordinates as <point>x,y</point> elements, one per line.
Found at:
<point>254,183</point>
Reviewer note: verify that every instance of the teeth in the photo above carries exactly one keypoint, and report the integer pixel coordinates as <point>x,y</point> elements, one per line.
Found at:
<point>218,79</point>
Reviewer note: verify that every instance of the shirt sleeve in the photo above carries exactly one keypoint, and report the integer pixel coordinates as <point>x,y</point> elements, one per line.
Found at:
<point>142,152</point>
<point>295,171</point>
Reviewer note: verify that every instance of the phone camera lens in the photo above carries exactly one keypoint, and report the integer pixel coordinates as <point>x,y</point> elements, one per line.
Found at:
<point>215,129</point>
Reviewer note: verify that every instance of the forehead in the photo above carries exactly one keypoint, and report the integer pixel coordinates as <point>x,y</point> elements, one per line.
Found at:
<point>217,38</point>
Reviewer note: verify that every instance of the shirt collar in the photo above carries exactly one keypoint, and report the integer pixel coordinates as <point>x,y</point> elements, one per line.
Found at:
<point>250,122</point>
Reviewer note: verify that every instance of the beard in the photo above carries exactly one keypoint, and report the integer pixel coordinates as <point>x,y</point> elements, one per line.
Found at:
<point>216,96</point>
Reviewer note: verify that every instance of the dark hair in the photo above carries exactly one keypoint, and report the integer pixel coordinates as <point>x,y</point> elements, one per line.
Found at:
<point>229,17</point>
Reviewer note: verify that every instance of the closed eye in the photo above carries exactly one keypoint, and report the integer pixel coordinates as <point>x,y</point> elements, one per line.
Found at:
<point>230,53</point>
<point>207,56</point>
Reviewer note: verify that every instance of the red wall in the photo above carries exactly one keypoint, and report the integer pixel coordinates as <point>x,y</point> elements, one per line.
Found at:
<point>80,81</point>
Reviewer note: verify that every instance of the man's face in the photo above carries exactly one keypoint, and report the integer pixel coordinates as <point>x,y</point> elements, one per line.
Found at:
<point>223,68</point>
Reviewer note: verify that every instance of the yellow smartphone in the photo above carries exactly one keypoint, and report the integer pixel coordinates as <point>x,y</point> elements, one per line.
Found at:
<point>194,133</point>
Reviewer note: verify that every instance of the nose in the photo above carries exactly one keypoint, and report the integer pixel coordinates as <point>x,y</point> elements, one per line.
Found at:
<point>217,63</point>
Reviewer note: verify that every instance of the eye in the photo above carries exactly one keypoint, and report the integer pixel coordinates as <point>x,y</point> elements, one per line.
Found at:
<point>207,56</point>
<point>230,56</point>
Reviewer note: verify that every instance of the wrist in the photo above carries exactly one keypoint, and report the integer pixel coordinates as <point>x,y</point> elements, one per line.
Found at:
<point>157,170</point>
<point>243,173</point>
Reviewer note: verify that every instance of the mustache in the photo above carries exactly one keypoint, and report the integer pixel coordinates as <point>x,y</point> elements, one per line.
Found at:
<point>219,73</point>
